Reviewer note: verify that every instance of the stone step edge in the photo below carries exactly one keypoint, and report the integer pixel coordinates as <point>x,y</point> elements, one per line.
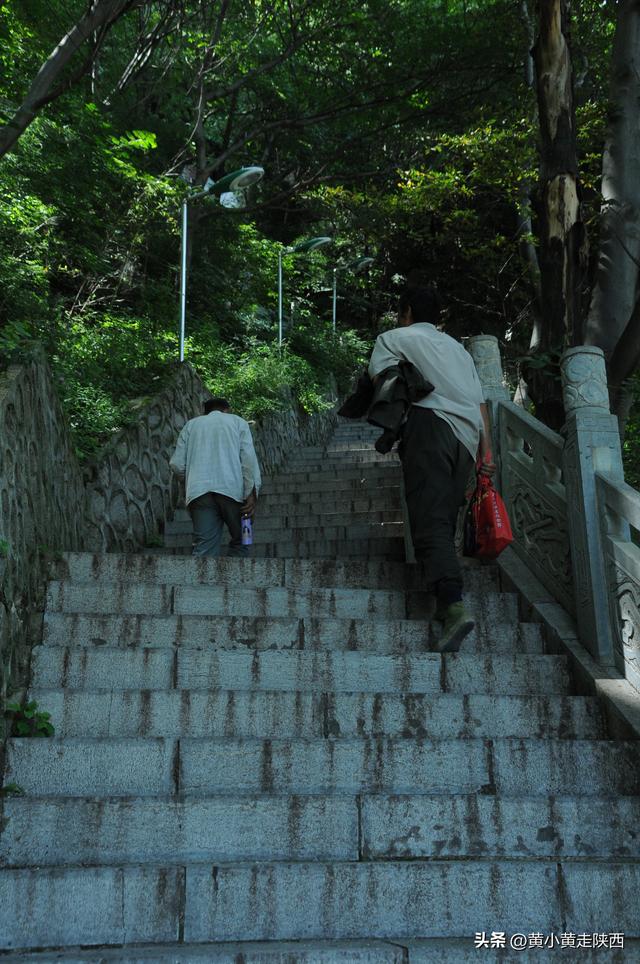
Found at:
<point>533,699</point>
<point>324,655</point>
<point>527,860</point>
<point>386,621</point>
<point>178,799</point>
<point>401,566</point>
<point>396,951</point>
<point>418,741</point>
<point>124,585</point>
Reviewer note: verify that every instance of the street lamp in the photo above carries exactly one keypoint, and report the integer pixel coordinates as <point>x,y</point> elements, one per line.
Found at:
<point>235,181</point>
<point>356,265</point>
<point>302,247</point>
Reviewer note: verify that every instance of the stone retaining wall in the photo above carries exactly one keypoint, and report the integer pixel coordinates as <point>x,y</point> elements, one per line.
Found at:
<point>41,504</point>
<point>118,503</point>
<point>130,488</point>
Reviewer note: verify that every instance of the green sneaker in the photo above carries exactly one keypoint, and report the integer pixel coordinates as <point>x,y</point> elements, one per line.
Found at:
<point>457,625</point>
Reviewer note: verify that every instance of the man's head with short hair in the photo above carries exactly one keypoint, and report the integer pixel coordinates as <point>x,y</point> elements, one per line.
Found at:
<point>419,304</point>
<point>216,405</point>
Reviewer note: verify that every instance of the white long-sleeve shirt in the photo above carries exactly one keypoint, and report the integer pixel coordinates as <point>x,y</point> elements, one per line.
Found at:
<point>457,393</point>
<point>215,452</point>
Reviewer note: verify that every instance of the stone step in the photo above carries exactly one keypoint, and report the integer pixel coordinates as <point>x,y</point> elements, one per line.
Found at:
<point>303,502</point>
<point>359,446</point>
<point>356,484</point>
<point>58,832</point>
<point>306,462</point>
<point>283,602</point>
<point>341,672</point>
<point>401,951</point>
<point>400,901</point>
<point>303,715</point>
<point>365,444</point>
<point>396,827</point>
<point>276,531</point>
<point>254,952</point>
<point>351,435</point>
<point>225,829</point>
<point>388,548</point>
<point>327,474</point>
<point>150,599</point>
<point>278,601</point>
<point>197,767</point>
<point>267,518</point>
<point>259,633</point>
<point>87,567</point>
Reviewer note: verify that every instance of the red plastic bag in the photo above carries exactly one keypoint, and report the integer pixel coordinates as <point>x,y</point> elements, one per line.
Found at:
<point>492,526</point>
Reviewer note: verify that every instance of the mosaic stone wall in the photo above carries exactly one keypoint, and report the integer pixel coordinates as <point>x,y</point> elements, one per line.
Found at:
<point>41,504</point>
<point>130,488</point>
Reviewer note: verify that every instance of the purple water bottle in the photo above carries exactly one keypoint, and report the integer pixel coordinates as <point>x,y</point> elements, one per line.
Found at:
<point>247,530</point>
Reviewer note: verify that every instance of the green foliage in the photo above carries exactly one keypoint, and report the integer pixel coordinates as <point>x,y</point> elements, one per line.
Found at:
<point>28,720</point>
<point>11,789</point>
<point>259,380</point>
<point>4,548</point>
<point>631,444</point>
<point>401,129</point>
<point>547,363</point>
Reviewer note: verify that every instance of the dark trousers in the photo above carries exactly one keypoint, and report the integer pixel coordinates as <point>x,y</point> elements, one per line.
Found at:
<point>210,513</point>
<point>436,468</point>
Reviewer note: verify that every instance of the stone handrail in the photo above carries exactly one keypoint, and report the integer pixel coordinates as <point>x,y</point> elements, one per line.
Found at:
<point>532,485</point>
<point>571,511</point>
<point>619,515</point>
<point>119,502</point>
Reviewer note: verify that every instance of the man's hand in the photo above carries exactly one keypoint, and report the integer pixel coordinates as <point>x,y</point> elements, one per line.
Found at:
<point>485,464</point>
<point>249,505</point>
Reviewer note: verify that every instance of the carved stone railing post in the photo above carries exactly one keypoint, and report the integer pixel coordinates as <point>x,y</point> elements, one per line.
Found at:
<point>485,351</point>
<point>592,445</point>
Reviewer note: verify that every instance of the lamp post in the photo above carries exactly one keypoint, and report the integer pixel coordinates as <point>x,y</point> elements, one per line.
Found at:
<point>235,181</point>
<point>356,265</point>
<point>303,246</point>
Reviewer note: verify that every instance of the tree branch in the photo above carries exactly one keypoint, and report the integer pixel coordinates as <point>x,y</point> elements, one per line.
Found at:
<point>102,14</point>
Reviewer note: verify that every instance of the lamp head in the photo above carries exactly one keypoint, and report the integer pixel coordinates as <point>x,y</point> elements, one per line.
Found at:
<point>311,244</point>
<point>361,263</point>
<point>238,180</point>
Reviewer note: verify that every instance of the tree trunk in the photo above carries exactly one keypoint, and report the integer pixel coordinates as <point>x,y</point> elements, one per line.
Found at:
<point>525,229</point>
<point>102,13</point>
<point>616,281</point>
<point>621,406</point>
<point>561,230</point>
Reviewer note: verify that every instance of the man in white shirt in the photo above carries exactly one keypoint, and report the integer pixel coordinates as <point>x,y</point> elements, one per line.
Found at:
<point>216,455</point>
<point>445,433</point>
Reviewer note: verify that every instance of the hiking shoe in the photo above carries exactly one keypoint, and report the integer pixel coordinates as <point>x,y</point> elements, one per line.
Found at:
<point>457,625</point>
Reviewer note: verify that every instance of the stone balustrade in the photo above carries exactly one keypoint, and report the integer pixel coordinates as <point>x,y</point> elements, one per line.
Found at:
<point>571,511</point>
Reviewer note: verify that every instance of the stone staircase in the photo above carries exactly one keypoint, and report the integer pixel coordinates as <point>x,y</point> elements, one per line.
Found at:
<point>261,761</point>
